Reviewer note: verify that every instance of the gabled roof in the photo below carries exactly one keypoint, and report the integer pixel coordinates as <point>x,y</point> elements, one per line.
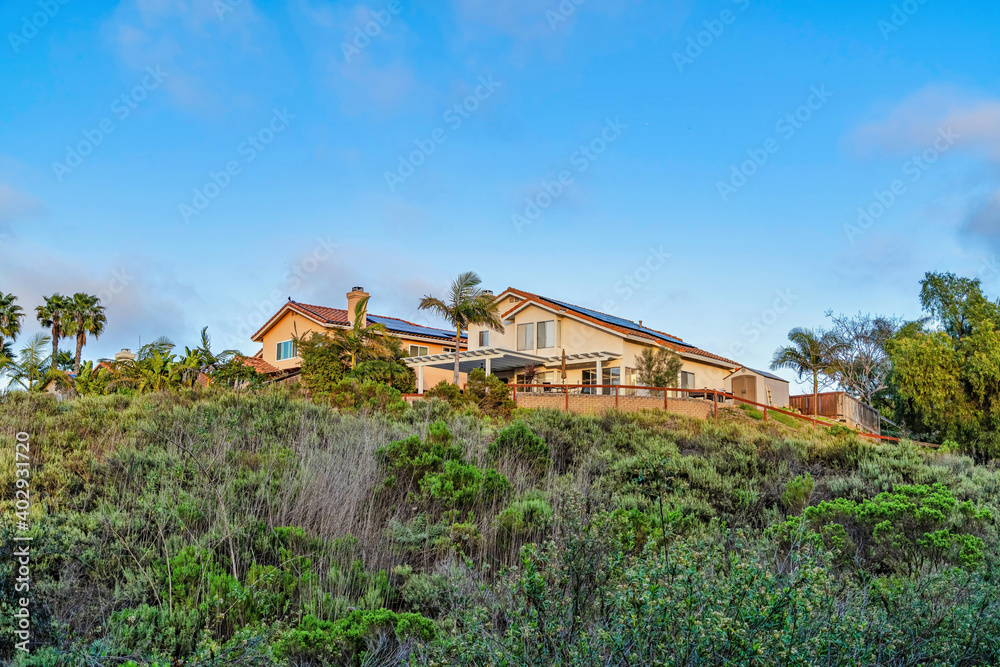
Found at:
<point>337,317</point>
<point>611,323</point>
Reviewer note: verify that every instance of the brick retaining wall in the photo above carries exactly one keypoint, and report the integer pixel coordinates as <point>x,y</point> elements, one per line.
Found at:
<point>588,404</point>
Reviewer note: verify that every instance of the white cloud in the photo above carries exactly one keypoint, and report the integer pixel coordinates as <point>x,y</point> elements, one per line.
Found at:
<point>916,121</point>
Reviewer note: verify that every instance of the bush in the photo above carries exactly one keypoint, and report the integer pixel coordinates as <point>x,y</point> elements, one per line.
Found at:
<point>518,442</point>
<point>490,393</point>
<point>345,641</point>
<point>797,493</point>
<point>903,530</point>
<point>446,391</point>
<point>353,394</point>
<point>393,374</point>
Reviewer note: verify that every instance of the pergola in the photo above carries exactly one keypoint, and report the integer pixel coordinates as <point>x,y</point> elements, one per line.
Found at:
<point>498,359</point>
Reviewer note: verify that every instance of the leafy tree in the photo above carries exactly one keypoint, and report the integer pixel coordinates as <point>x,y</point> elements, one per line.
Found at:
<point>238,375</point>
<point>811,353</point>
<point>54,315</point>
<point>84,315</point>
<point>155,368</point>
<point>658,367</point>
<point>859,361</point>
<point>946,372</point>
<point>322,363</point>
<point>467,304</point>
<point>956,304</point>
<point>490,393</point>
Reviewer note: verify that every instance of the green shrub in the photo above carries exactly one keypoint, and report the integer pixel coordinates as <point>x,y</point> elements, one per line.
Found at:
<point>490,393</point>
<point>393,374</point>
<point>346,640</point>
<point>518,442</point>
<point>446,391</point>
<point>903,530</point>
<point>525,516</point>
<point>797,493</point>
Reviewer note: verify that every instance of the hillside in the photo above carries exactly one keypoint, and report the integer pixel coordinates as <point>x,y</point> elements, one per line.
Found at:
<point>210,527</point>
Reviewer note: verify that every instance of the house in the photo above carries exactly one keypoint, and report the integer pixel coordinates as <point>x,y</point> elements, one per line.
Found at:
<point>295,319</point>
<point>600,349</point>
<point>758,386</point>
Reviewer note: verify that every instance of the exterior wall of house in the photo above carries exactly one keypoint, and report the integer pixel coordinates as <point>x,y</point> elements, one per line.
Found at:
<point>581,337</point>
<point>293,324</point>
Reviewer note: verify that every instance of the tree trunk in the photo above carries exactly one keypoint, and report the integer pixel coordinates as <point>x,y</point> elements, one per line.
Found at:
<point>55,346</point>
<point>80,336</point>
<point>458,348</point>
<point>816,393</point>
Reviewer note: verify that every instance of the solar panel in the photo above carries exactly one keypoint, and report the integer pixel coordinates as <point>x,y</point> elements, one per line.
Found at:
<point>620,322</point>
<point>415,329</point>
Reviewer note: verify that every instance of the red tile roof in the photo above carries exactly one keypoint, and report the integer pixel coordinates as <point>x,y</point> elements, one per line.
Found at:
<point>528,296</point>
<point>338,317</point>
<point>259,365</point>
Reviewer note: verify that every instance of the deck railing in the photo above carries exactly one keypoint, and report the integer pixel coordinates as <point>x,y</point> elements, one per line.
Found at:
<point>714,396</point>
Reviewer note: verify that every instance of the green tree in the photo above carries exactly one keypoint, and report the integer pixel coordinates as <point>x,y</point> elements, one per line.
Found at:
<point>84,315</point>
<point>658,367</point>
<point>361,341</point>
<point>946,370</point>
<point>812,352</point>
<point>467,304</point>
<point>32,364</point>
<point>53,315</point>
<point>11,315</point>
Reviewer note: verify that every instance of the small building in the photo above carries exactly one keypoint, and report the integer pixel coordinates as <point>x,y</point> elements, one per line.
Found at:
<point>758,386</point>
<point>841,407</point>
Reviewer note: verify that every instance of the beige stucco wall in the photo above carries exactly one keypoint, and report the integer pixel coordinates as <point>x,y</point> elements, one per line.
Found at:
<point>581,337</point>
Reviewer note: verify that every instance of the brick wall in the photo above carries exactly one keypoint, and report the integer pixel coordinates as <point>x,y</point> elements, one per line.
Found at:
<point>588,404</point>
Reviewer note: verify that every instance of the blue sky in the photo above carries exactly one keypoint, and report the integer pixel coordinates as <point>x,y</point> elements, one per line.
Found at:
<point>196,162</point>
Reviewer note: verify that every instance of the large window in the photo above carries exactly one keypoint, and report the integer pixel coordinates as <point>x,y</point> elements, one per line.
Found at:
<point>687,380</point>
<point>286,350</point>
<point>546,334</point>
<point>484,338</point>
<point>526,336</point>
<point>611,376</point>
<point>418,350</point>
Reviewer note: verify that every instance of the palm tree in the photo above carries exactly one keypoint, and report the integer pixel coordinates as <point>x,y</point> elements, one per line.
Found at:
<point>53,315</point>
<point>10,318</point>
<point>362,341</point>
<point>32,365</point>
<point>84,315</point>
<point>811,353</point>
<point>155,368</point>
<point>467,304</point>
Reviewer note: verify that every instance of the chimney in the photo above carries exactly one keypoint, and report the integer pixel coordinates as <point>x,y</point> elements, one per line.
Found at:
<point>124,354</point>
<point>353,298</point>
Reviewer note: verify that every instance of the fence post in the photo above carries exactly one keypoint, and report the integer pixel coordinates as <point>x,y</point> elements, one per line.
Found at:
<point>616,397</point>
<point>715,406</point>
<point>566,389</point>
<point>515,395</point>
<point>664,398</point>
<point>765,414</point>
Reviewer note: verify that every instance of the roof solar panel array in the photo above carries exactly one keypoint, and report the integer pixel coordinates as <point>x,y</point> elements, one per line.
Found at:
<point>620,322</point>
<point>415,329</point>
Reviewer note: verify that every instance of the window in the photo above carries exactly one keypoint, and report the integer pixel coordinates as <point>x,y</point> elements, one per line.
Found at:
<point>630,377</point>
<point>611,376</point>
<point>687,380</point>
<point>526,336</point>
<point>286,350</point>
<point>418,351</point>
<point>484,339</point>
<point>546,334</point>
<point>447,349</point>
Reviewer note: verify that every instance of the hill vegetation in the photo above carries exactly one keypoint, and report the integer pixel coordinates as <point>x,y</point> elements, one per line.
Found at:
<point>219,527</point>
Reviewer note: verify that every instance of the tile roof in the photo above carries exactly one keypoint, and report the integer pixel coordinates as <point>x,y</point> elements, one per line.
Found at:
<point>338,317</point>
<point>259,365</point>
<point>658,337</point>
